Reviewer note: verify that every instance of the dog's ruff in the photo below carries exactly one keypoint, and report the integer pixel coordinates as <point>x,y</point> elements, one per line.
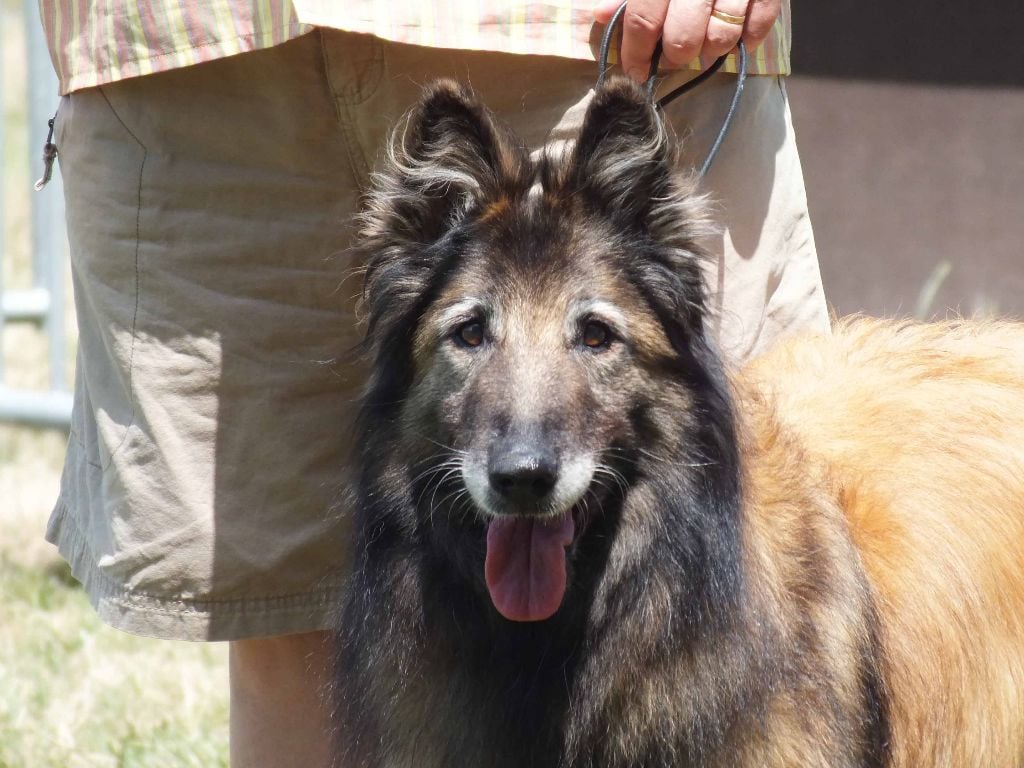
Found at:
<point>815,562</point>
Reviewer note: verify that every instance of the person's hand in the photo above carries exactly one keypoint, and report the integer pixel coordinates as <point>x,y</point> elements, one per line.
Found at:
<point>687,29</point>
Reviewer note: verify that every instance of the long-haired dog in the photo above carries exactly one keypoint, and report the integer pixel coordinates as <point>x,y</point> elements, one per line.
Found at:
<point>580,544</point>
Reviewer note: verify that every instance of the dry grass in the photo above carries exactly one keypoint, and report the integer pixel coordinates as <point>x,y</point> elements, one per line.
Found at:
<point>73,692</point>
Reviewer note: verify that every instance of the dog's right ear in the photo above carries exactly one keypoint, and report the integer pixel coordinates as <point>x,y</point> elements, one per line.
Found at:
<point>450,156</point>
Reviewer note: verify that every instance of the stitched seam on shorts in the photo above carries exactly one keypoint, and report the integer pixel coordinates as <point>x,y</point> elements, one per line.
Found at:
<point>367,77</point>
<point>135,311</point>
<point>114,592</point>
<point>344,105</point>
<point>325,58</point>
<point>356,159</point>
<point>141,601</point>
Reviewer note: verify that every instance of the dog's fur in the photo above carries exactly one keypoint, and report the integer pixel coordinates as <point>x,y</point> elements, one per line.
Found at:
<point>817,562</point>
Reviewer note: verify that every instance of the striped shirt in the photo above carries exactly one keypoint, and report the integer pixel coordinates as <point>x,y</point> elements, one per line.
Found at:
<point>93,42</point>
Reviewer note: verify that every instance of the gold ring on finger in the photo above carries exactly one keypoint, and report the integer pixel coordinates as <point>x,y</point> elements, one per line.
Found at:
<point>728,18</point>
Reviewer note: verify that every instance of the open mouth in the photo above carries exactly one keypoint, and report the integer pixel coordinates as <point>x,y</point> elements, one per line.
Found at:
<point>525,568</point>
<point>530,536</point>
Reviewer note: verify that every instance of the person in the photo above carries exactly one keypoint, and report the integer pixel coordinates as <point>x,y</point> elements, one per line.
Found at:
<point>210,200</point>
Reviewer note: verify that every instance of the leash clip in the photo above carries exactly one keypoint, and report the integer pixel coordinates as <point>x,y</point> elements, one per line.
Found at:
<point>49,155</point>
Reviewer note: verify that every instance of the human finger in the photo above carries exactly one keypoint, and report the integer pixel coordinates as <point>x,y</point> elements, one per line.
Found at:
<point>641,29</point>
<point>725,27</point>
<point>761,16</point>
<point>685,29</point>
<point>605,9</point>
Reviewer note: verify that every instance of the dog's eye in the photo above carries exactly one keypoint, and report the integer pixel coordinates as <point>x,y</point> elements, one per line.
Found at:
<point>596,335</point>
<point>469,334</point>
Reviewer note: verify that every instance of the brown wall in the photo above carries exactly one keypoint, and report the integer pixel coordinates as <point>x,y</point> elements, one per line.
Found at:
<point>903,177</point>
<point>910,120</point>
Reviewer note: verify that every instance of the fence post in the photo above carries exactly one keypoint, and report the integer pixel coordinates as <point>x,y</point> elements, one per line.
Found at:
<point>49,235</point>
<point>43,302</point>
<point>3,220</point>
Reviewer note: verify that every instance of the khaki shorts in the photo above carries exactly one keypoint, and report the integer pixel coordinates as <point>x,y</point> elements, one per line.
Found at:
<point>209,211</point>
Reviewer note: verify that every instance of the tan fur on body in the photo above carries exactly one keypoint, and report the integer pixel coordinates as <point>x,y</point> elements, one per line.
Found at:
<point>917,433</point>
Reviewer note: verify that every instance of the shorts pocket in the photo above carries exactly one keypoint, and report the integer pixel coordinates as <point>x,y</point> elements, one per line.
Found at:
<point>103,170</point>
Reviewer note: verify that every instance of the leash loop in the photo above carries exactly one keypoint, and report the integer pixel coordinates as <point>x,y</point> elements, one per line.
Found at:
<point>741,77</point>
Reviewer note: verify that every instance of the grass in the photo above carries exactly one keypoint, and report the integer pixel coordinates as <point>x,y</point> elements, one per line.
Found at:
<point>76,693</point>
<point>73,692</point>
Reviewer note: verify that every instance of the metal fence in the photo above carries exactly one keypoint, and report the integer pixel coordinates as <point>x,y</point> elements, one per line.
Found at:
<point>43,302</point>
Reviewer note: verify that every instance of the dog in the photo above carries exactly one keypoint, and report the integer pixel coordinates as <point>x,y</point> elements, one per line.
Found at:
<point>581,542</point>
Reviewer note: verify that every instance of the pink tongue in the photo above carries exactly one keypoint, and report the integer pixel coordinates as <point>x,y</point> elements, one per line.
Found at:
<point>525,565</point>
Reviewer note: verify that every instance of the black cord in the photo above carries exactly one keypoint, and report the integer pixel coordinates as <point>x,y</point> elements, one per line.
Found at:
<point>606,44</point>
<point>741,78</point>
<point>668,98</point>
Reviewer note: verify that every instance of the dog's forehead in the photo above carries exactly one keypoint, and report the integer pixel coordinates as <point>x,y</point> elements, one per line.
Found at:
<point>538,257</point>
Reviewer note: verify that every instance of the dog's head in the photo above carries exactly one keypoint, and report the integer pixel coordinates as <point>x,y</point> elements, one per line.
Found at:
<point>536,328</point>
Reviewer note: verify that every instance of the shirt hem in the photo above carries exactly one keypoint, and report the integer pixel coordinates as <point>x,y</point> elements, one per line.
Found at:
<point>153,63</point>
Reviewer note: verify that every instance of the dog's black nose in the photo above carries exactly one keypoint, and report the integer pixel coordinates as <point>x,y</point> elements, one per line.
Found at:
<point>522,474</point>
